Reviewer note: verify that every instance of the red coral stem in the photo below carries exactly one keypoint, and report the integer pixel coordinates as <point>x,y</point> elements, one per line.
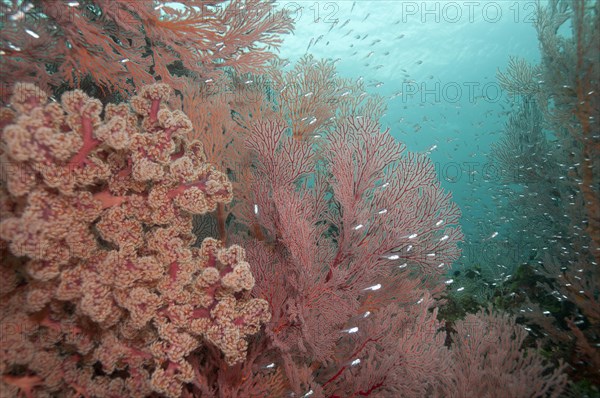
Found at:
<point>89,143</point>
<point>335,376</point>
<point>181,188</point>
<point>154,107</point>
<point>25,383</point>
<point>173,270</point>
<point>200,313</point>
<point>370,390</point>
<point>109,200</point>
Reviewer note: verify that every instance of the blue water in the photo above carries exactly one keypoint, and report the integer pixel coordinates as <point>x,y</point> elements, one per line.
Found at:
<point>435,63</point>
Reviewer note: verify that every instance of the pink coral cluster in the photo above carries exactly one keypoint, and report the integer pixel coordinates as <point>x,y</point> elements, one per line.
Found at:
<point>109,296</point>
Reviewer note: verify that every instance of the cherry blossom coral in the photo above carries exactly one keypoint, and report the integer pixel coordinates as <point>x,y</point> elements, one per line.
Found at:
<point>108,292</point>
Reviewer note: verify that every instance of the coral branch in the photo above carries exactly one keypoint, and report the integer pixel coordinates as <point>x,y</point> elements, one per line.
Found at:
<point>89,143</point>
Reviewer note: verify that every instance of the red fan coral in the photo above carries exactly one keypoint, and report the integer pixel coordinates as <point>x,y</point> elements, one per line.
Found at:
<point>125,44</point>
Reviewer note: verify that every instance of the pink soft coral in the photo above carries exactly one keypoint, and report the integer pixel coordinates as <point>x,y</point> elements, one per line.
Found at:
<point>102,219</point>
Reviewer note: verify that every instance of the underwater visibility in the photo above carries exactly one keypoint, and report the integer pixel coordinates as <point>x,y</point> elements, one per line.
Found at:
<point>296,199</point>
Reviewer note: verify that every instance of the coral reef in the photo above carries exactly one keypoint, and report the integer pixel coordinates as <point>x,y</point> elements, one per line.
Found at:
<point>107,292</point>
<point>257,234</point>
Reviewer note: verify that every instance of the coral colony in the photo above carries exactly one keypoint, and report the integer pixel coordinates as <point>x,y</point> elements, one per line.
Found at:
<point>181,216</point>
